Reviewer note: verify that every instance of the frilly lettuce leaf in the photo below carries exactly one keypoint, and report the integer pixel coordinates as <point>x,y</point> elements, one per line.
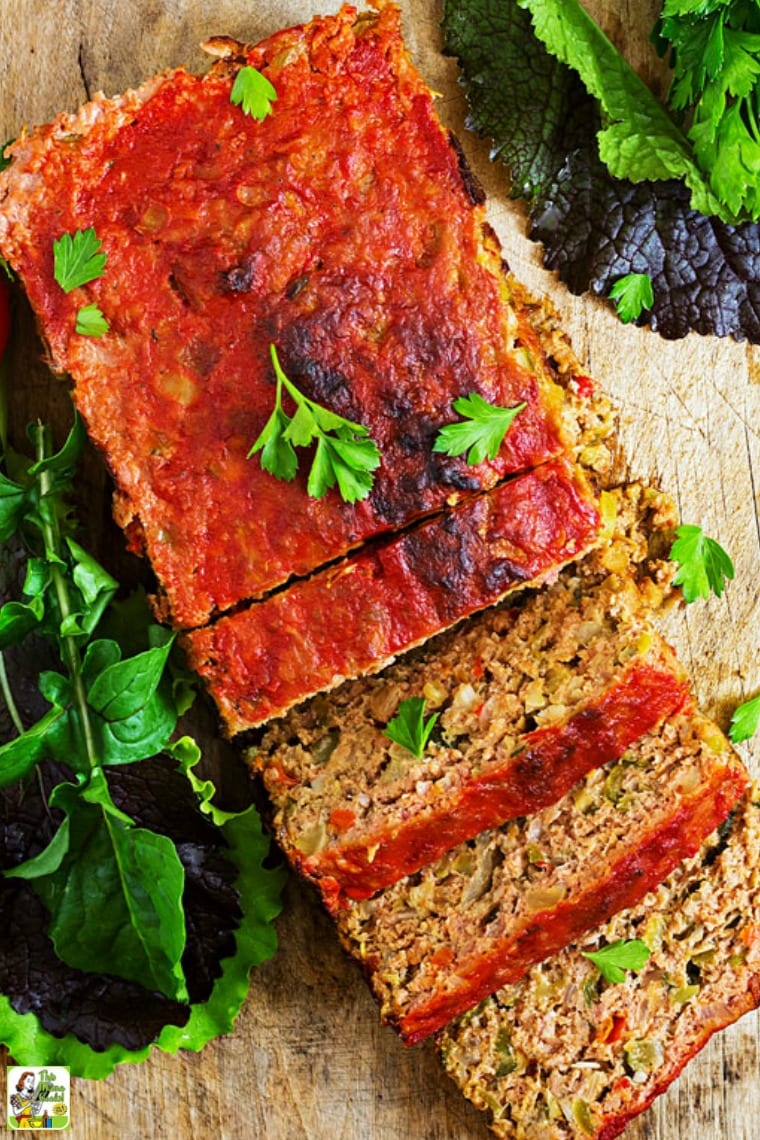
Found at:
<point>259,890</point>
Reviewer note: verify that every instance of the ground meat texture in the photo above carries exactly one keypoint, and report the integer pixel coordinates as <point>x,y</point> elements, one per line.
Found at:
<point>439,941</point>
<point>353,618</point>
<point>341,228</point>
<point>528,700</point>
<point>572,675</point>
<point>564,1055</point>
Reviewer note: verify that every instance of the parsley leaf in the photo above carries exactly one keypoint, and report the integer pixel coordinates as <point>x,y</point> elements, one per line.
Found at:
<point>703,564</point>
<point>344,455</point>
<point>746,720</point>
<point>632,294</point>
<point>91,322</point>
<point>612,961</point>
<point>253,92</point>
<point>482,431</point>
<point>77,259</point>
<point>409,727</point>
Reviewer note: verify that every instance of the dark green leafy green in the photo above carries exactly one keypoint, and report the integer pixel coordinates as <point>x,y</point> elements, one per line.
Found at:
<point>113,890</point>
<point>714,49</point>
<point>409,727</point>
<point>596,228</point>
<point>482,430</point>
<point>77,259</point>
<point>344,455</point>
<point>639,141</point>
<point>703,564</point>
<point>253,92</point>
<point>130,878</point>
<point>614,960</point>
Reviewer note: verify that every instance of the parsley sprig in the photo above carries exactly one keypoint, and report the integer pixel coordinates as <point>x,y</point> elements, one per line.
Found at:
<point>77,259</point>
<point>91,322</point>
<point>253,92</point>
<point>703,564</point>
<point>614,960</point>
<point>344,454</point>
<point>745,720</point>
<point>632,294</point>
<point>409,727</point>
<point>482,429</point>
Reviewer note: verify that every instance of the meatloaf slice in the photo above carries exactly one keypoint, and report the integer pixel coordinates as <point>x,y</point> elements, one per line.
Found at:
<point>564,1055</point>
<point>353,618</point>
<point>343,228</point>
<point>439,941</point>
<point>528,700</point>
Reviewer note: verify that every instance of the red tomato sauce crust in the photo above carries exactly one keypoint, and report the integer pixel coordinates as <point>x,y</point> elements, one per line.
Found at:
<point>554,759</point>
<point>345,229</point>
<point>353,618</point>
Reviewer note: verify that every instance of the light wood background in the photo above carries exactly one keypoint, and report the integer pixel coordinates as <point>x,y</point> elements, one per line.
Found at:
<point>308,1059</point>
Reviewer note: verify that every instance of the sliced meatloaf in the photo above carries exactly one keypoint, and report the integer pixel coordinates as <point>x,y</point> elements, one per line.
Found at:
<point>528,699</point>
<point>565,1055</point>
<point>355,617</point>
<point>344,229</point>
<point>438,942</point>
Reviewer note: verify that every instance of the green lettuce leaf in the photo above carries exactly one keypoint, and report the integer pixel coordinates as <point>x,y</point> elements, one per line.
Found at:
<point>259,889</point>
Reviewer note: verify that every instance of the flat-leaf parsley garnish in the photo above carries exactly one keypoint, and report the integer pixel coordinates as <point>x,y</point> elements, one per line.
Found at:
<point>746,720</point>
<point>409,728</point>
<point>703,564</point>
<point>253,92</point>
<point>91,322</point>
<point>482,429</point>
<point>345,455</point>
<point>632,295</point>
<point>77,259</point>
<point>614,960</point>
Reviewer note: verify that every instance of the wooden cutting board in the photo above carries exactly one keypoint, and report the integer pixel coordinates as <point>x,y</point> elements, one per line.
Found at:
<point>308,1059</point>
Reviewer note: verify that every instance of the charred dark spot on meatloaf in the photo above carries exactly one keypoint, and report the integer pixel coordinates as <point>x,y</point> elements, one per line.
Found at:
<point>446,565</point>
<point>240,278</point>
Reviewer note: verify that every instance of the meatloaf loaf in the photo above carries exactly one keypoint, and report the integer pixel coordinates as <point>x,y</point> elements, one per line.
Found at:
<point>353,618</point>
<point>344,229</point>
<point>565,1055</point>
<point>436,943</point>
<point>528,699</point>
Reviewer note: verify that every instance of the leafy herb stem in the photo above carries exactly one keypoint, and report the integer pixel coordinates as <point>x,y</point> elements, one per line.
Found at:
<point>52,538</point>
<point>8,697</point>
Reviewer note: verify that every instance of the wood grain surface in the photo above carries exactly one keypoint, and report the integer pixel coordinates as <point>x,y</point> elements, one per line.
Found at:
<point>308,1059</point>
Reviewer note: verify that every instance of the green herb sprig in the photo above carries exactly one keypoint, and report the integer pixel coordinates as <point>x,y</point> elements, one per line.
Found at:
<point>77,260</point>
<point>745,720</point>
<point>409,728</point>
<point>703,564</point>
<point>253,92</point>
<point>91,322</point>
<point>632,294</point>
<point>614,960</point>
<point>482,430</point>
<point>344,455</point>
